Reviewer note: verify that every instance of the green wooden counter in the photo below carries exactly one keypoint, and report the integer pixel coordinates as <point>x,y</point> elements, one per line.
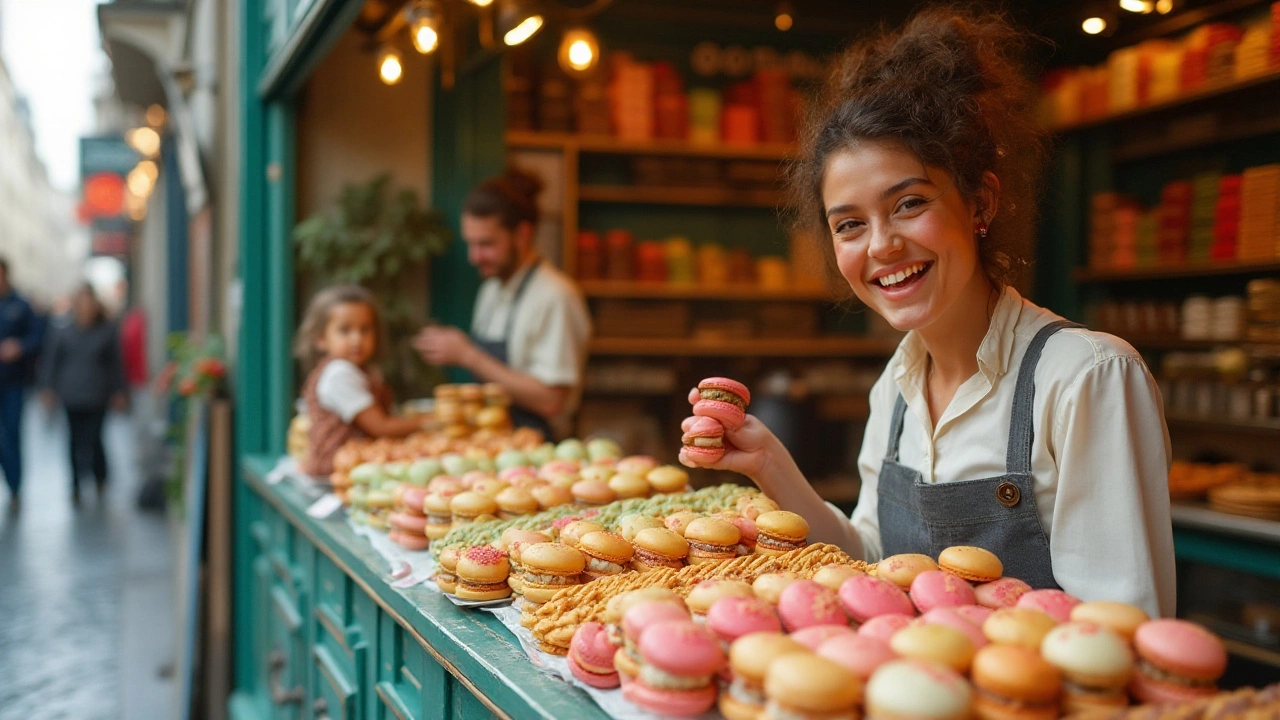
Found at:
<point>323,634</point>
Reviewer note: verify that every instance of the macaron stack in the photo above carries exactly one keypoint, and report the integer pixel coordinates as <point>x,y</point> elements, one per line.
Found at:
<point>718,404</point>
<point>409,519</point>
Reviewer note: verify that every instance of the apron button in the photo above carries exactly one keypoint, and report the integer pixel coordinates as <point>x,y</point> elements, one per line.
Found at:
<point>1008,494</point>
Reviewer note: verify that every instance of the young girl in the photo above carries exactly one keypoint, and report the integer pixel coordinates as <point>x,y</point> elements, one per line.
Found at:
<point>340,337</point>
<point>995,423</point>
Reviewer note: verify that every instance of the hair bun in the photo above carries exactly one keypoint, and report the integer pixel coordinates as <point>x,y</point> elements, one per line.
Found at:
<point>525,185</point>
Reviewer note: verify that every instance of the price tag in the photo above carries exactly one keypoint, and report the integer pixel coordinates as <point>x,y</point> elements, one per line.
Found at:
<point>327,505</point>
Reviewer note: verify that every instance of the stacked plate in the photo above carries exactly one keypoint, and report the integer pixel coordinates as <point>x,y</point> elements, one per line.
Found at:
<point>1259,237</point>
<point>1264,311</point>
<point>1256,496</point>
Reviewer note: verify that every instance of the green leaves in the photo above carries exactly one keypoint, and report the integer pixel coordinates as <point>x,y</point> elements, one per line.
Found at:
<point>378,237</point>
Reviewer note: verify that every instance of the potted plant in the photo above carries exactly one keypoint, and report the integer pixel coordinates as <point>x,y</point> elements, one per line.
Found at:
<point>382,239</point>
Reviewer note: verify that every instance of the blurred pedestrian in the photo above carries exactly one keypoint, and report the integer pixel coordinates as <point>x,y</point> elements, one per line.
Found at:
<point>20,337</point>
<point>82,369</point>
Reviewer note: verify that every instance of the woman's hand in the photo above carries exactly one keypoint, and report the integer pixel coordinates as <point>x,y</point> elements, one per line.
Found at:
<point>749,450</point>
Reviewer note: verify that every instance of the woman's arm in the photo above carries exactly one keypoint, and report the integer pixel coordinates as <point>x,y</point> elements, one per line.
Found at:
<point>755,452</point>
<point>1112,537</point>
<point>376,422</point>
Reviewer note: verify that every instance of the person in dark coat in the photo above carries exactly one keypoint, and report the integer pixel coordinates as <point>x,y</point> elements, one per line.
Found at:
<point>81,368</point>
<point>20,338</point>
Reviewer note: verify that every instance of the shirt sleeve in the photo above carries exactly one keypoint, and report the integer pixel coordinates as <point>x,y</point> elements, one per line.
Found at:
<point>1112,536</point>
<point>344,390</point>
<point>558,349</point>
<point>875,439</point>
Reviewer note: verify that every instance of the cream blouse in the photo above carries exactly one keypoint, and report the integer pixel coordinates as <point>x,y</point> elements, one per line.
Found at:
<point>1100,460</point>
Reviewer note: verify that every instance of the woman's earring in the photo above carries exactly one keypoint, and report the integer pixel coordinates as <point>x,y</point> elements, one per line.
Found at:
<point>982,229</point>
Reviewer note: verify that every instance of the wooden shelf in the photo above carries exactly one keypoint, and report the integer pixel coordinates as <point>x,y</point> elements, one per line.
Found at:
<point>707,196</point>
<point>668,291</point>
<point>604,145</point>
<point>1201,516</point>
<point>1242,427</point>
<point>747,347</point>
<point>1213,92</point>
<point>1097,275</point>
<point>1129,152</point>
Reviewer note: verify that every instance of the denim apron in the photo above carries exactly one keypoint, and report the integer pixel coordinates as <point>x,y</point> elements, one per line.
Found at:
<point>497,349</point>
<point>997,513</point>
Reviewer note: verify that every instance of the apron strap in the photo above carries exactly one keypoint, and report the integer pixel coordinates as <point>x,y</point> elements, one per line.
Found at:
<point>895,428</point>
<point>515,301</point>
<point>1021,430</point>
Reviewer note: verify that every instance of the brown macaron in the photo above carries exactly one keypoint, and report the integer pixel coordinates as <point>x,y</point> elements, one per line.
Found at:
<point>482,574</point>
<point>630,485</point>
<point>711,539</point>
<point>548,568</point>
<point>514,502</point>
<point>593,493</point>
<point>833,576</point>
<point>632,524</point>
<point>668,479</point>
<point>658,547</point>
<point>706,593</point>
<point>447,573</point>
<point>468,506</point>
<point>1014,683</point>
<point>439,515</point>
<point>769,586</point>
<point>549,496</point>
<point>607,554</point>
<point>573,533</point>
<point>749,660</point>
<point>780,531</point>
<point>803,685</point>
<point>677,522</point>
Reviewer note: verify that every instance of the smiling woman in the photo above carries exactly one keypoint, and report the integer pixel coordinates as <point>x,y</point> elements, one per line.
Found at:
<point>918,171</point>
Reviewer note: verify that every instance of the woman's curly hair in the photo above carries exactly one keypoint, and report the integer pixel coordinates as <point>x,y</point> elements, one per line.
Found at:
<point>950,87</point>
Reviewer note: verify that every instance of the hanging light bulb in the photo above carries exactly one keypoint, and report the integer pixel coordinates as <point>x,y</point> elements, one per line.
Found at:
<point>1093,25</point>
<point>145,140</point>
<point>482,3</point>
<point>783,18</point>
<point>424,26</point>
<point>518,22</point>
<point>579,51</point>
<point>390,67</point>
<point>1164,7</point>
<point>1142,7</point>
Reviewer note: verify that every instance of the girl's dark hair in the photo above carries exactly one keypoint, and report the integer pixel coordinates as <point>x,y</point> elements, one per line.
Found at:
<point>950,88</point>
<point>316,319</point>
<point>99,310</point>
<point>512,197</point>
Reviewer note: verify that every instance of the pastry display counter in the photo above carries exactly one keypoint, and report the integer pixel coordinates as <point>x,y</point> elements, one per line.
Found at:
<point>331,638</point>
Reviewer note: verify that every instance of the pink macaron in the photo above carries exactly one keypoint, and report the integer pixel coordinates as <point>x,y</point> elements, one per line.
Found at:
<point>883,627</point>
<point>935,588</point>
<point>639,617</point>
<point>865,597</point>
<point>415,524</point>
<point>446,485</point>
<point>409,541</point>
<point>512,474</point>
<point>747,533</point>
<point>413,498</point>
<point>861,654</point>
<point>975,614</point>
<point>703,441</point>
<point>951,617</point>
<point>1000,593</point>
<point>723,399</point>
<point>814,636</point>
<point>1054,603</point>
<point>591,656</point>
<point>690,656</point>
<point>805,603</point>
<point>732,617</point>
<point>1180,661</point>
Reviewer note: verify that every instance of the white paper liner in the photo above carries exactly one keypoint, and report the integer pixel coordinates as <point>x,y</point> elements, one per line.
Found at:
<point>611,701</point>
<point>422,564</point>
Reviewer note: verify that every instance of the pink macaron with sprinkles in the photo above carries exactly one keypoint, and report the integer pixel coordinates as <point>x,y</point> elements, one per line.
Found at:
<point>861,654</point>
<point>865,597</point>
<point>952,617</point>
<point>703,441</point>
<point>723,399</point>
<point>935,588</point>
<point>1179,661</point>
<point>814,636</point>
<point>732,617</point>
<point>884,627</point>
<point>805,603</point>
<point>1000,593</point>
<point>681,664</point>
<point>591,656</point>
<point>1054,603</point>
